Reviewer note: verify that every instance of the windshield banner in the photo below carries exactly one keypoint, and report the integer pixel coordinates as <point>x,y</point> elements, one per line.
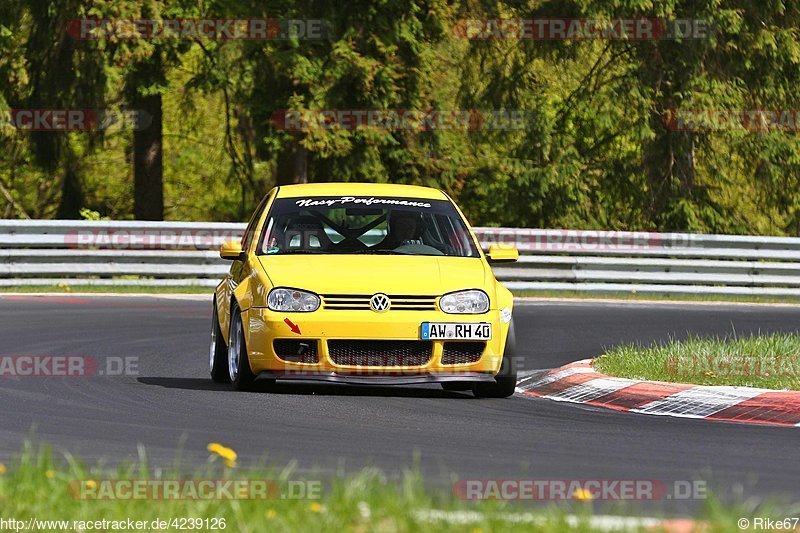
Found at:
<point>367,201</point>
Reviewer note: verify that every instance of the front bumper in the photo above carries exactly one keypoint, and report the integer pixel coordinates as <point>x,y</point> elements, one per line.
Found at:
<point>320,327</point>
<point>361,379</point>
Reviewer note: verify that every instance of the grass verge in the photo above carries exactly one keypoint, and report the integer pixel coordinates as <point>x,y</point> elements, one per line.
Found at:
<point>666,297</point>
<point>38,488</point>
<point>126,289</point>
<point>768,361</point>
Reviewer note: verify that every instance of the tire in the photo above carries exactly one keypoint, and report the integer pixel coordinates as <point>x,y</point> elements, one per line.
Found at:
<point>239,372</point>
<point>457,385</point>
<point>218,350</point>
<point>506,380</point>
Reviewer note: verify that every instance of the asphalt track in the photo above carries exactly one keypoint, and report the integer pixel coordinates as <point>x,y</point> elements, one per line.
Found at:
<point>174,410</point>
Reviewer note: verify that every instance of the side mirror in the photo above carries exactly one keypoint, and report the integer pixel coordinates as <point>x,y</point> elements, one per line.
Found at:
<point>502,253</point>
<point>231,250</point>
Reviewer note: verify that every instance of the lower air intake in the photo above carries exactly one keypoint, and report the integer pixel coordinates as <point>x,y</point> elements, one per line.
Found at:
<point>296,351</point>
<point>380,353</point>
<point>462,353</point>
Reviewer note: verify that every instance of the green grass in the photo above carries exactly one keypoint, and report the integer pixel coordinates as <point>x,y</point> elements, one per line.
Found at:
<point>126,289</point>
<point>38,486</point>
<point>769,361</point>
<point>676,297</point>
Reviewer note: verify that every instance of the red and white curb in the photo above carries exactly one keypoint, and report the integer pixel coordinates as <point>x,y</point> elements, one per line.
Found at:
<point>580,383</point>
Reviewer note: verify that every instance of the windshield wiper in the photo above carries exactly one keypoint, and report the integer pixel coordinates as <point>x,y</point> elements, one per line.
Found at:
<point>287,252</point>
<point>380,252</point>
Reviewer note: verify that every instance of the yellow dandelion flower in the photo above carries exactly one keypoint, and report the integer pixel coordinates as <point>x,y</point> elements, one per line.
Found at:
<point>271,513</point>
<point>2,469</point>
<point>226,453</point>
<point>316,507</point>
<point>90,484</point>
<point>582,494</point>
<point>50,474</point>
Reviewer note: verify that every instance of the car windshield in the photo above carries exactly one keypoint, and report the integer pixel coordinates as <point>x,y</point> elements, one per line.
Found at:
<point>365,225</point>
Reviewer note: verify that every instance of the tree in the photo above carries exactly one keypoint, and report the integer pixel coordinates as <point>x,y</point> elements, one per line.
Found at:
<point>373,57</point>
<point>144,82</point>
<point>145,63</point>
<point>60,73</point>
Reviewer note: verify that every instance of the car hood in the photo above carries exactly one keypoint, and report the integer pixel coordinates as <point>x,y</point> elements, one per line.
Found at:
<point>369,274</point>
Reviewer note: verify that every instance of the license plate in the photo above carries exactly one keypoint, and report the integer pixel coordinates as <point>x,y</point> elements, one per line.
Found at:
<point>469,331</point>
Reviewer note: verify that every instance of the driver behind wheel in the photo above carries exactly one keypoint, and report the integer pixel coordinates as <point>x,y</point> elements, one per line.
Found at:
<point>405,227</point>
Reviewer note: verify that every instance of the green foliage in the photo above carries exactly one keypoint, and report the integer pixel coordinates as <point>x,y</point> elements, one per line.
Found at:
<point>596,151</point>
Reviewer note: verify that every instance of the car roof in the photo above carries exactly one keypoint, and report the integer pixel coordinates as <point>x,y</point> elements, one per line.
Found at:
<point>359,189</point>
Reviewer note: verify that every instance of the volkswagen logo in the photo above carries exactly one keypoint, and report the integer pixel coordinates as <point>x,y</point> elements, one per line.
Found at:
<point>380,302</point>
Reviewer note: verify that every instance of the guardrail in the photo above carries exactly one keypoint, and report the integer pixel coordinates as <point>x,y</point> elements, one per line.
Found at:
<point>52,252</point>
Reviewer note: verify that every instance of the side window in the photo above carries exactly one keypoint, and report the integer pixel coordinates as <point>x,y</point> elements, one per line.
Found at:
<point>249,233</point>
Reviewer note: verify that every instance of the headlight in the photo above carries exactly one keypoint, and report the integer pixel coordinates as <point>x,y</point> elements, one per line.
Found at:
<point>292,300</point>
<point>465,302</point>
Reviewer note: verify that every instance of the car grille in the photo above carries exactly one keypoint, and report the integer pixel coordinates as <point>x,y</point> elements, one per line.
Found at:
<point>296,351</point>
<point>461,353</point>
<point>380,353</point>
<point>344,302</point>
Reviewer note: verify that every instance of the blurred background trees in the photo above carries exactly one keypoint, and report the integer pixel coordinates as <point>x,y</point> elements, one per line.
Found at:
<point>595,150</point>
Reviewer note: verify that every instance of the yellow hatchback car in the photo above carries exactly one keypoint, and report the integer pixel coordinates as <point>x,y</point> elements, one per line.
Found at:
<point>367,284</point>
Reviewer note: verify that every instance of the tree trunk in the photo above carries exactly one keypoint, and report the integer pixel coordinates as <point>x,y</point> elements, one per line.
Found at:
<point>292,164</point>
<point>148,168</point>
<point>69,207</point>
<point>669,166</point>
<point>142,91</point>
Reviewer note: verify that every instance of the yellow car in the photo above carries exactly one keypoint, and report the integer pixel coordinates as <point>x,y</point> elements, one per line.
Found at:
<point>366,284</point>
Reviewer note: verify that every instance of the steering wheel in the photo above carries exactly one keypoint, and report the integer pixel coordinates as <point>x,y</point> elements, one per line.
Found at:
<point>349,244</point>
<point>418,249</point>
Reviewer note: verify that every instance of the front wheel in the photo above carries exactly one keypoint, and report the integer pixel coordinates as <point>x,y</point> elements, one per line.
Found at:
<point>505,382</point>
<point>239,371</point>
<point>218,351</point>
